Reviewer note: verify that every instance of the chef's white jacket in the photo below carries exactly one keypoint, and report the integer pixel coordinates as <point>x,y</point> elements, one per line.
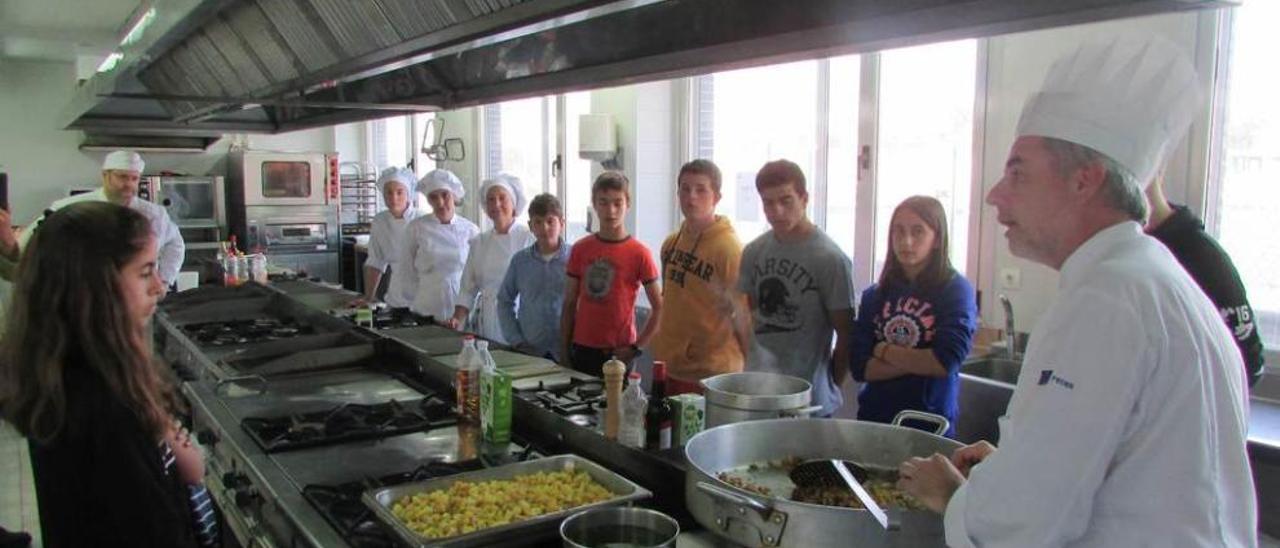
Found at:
<point>433,257</point>
<point>482,279</point>
<point>386,238</point>
<point>1128,424</point>
<point>172,248</point>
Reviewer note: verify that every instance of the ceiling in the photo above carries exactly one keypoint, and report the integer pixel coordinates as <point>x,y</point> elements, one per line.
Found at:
<point>61,30</point>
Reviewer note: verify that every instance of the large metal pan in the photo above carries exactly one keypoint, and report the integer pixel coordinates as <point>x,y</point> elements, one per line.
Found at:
<point>751,519</point>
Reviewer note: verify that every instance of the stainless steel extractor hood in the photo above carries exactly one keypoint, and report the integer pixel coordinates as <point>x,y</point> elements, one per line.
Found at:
<point>281,65</point>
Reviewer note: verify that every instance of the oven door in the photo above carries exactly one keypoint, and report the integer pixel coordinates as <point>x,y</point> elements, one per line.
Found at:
<point>192,202</point>
<point>279,178</point>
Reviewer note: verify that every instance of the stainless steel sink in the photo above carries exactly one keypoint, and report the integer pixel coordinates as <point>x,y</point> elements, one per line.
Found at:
<point>993,368</point>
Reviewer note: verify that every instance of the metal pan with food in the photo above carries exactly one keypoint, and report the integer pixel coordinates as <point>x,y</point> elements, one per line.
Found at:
<point>487,507</point>
<point>732,466</point>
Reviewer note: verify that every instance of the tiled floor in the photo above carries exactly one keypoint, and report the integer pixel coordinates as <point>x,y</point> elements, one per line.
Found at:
<point>18,510</point>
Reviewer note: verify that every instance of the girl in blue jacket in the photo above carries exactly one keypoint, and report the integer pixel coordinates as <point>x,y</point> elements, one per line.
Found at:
<point>916,324</point>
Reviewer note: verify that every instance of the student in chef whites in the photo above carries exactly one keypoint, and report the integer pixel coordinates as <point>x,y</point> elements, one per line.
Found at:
<point>1128,423</point>
<point>489,256</point>
<point>799,286</point>
<point>436,247</point>
<point>915,326</point>
<point>705,326</point>
<point>532,295</point>
<point>121,172</point>
<point>386,236</point>
<point>1209,265</point>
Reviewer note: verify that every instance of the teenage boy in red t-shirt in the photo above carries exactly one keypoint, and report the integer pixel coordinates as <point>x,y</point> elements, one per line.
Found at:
<point>605,271</point>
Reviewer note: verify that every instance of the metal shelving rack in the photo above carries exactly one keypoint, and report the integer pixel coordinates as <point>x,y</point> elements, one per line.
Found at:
<point>359,201</point>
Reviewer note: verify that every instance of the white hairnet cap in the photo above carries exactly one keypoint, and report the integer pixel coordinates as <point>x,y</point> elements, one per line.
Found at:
<point>1129,99</point>
<point>123,160</point>
<point>401,175</point>
<point>437,179</point>
<point>511,184</point>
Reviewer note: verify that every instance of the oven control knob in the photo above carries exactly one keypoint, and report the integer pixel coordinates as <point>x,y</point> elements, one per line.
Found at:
<point>246,497</point>
<point>234,480</point>
<point>206,437</point>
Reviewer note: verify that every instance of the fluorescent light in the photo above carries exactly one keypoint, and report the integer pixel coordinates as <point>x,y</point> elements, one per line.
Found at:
<point>110,62</point>
<point>135,32</point>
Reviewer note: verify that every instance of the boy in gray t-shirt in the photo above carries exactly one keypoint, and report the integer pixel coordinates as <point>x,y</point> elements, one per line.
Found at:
<point>800,289</point>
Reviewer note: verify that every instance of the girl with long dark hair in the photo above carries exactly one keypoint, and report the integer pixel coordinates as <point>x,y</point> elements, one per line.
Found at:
<point>78,379</point>
<point>916,325</point>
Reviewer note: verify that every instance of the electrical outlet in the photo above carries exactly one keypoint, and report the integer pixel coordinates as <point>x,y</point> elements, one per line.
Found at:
<point>1010,278</point>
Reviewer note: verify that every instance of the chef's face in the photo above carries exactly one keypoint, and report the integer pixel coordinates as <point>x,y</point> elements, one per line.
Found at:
<point>546,228</point>
<point>698,198</point>
<point>784,206</point>
<point>397,198</point>
<point>611,207</point>
<point>499,206</point>
<point>1032,202</point>
<point>140,284</point>
<point>441,204</point>
<point>912,240</point>
<point>120,185</point>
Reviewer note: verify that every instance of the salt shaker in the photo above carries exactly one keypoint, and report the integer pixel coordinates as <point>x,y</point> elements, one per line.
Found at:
<point>613,373</point>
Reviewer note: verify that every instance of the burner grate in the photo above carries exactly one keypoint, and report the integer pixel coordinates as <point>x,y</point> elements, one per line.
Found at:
<point>348,422</point>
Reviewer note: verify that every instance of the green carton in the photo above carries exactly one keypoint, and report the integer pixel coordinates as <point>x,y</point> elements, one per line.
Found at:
<point>690,415</point>
<point>495,407</point>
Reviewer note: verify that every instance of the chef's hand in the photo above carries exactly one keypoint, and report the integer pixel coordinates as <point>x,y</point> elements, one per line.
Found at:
<point>965,457</point>
<point>452,322</point>
<point>931,481</point>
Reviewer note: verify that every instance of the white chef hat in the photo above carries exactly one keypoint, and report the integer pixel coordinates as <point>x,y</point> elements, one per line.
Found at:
<point>511,184</point>
<point>401,175</point>
<point>1129,99</point>
<point>437,179</point>
<point>123,160</point>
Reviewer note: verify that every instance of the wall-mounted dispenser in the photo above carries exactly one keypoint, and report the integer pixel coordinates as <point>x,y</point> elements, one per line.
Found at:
<point>598,140</point>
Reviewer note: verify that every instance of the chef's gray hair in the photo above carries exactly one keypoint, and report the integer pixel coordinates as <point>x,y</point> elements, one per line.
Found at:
<point>1120,188</point>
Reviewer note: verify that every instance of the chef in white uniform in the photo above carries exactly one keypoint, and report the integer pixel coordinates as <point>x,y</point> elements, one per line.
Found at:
<point>121,173</point>
<point>386,234</point>
<point>435,247</point>
<point>490,254</point>
<point>1128,424</point>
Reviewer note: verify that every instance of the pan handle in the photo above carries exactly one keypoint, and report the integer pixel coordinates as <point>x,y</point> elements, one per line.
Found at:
<point>734,498</point>
<point>804,412</point>
<point>941,424</point>
<point>767,522</point>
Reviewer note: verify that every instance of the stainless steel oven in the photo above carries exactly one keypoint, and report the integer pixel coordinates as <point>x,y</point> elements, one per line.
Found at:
<point>280,178</point>
<point>192,202</point>
<point>304,239</point>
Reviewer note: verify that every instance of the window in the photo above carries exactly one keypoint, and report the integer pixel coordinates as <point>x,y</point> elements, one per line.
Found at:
<point>392,141</point>
<point>520,140</point>
<point>576,201</point>
<point>925,134</point>
<point>1249,164</point>
<point>842,151</point>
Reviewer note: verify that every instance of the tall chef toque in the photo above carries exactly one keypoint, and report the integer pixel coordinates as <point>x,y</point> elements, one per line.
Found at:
<point>123,160</point>
<point>1131,100</point>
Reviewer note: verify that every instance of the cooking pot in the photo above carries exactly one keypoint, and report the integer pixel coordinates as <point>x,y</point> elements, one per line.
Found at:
<point>752,519</point>
<point>747,396</point>
<point>619,526</point>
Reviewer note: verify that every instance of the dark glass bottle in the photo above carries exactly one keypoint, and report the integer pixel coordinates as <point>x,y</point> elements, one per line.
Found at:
<point>659,416</point>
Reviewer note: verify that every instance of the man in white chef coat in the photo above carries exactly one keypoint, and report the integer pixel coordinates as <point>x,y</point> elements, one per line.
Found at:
<point>1128,423</point>
<point>121,173</point>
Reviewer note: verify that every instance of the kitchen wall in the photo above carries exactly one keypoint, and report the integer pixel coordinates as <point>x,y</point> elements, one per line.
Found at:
<point>1016,67</point>
<point>44,162</point>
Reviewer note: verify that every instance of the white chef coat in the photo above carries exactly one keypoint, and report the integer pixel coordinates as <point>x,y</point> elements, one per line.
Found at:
<point>172,248</point>
<point>433,256</point>
<point>486,267</point>
<point>386,238</point>
<point>1128,424</point>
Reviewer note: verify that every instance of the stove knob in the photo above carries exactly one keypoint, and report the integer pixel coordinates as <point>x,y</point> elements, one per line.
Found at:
<point>234,480</point>
<point>206,437</point>
<point>246,497</point>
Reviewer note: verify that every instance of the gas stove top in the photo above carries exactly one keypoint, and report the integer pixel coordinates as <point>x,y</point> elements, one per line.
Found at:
<point>578,400</point>
<point>348,422</point>
<point>245,331</point>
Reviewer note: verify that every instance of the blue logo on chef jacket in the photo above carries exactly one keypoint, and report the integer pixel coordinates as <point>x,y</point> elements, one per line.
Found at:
<point>1047,376</point>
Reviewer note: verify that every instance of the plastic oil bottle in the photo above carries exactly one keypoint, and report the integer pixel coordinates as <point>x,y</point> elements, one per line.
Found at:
<point>634,405</point>
<point>466,381</point>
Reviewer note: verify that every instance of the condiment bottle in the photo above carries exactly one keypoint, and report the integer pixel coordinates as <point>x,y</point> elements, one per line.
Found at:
<point>613,372</point>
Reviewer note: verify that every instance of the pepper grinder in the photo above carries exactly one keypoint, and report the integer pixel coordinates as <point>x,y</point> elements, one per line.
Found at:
<point>613,372</point>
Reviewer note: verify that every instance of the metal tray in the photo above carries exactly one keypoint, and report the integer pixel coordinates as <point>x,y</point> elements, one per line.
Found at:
<point>380,500</point>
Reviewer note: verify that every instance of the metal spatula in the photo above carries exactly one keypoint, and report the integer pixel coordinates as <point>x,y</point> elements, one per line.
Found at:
<point>834,472</point>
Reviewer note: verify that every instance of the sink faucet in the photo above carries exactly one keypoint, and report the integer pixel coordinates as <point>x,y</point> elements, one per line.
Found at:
<point>1010,337</point>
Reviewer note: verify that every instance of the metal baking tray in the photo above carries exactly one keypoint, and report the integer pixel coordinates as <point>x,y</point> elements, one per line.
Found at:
<point>380,501</point>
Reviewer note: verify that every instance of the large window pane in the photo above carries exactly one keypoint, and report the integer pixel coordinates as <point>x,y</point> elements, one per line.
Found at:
<point>1250,170</point>
<point>758,115</point>
<point>577,172</point>
<point>926,136</point>
<point>516,142</point>
<point>842,155</point>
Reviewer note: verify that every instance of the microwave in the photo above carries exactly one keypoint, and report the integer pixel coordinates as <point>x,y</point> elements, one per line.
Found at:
<point>263,178</point>
<point>192,202</point>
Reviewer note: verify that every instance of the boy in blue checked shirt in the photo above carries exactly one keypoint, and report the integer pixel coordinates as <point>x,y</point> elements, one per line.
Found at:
<point>532,292</point>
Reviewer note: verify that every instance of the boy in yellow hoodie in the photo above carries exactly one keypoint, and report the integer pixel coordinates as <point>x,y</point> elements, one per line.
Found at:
<point>704,329</point>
